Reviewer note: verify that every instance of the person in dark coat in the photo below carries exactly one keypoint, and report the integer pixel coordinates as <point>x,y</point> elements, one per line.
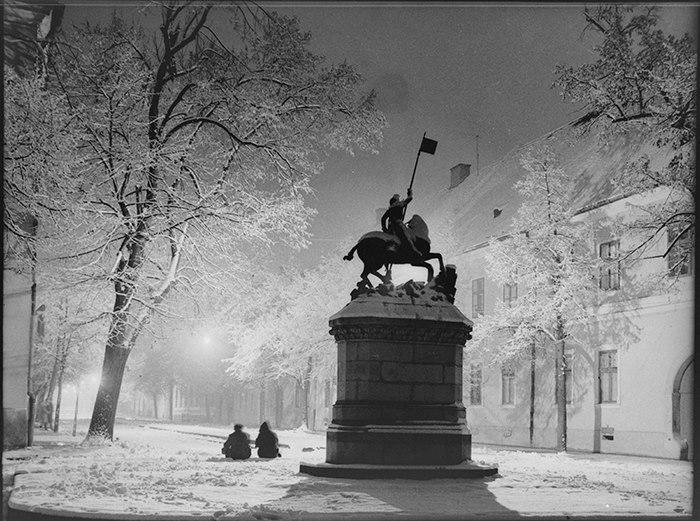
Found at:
<point>266,442</point>
<point>237,446</point>
<point>392,221</point>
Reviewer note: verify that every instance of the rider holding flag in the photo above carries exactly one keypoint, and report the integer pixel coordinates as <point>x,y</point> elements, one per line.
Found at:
<point>392,221</point>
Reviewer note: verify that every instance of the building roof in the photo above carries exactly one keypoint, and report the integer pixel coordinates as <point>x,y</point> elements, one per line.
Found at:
<point>468,209</point>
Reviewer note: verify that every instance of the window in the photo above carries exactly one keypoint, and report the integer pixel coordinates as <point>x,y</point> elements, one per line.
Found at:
<point>477,297</point>
<point>507,385</point>
<point>568,378</point>
<point>607,376</point>
<point>475,384</point>
<point>680,258</point>
<point>610,271</point>
<point>510,293</point>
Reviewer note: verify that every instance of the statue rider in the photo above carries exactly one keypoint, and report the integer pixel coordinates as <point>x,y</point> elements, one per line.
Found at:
<point>394,215</point>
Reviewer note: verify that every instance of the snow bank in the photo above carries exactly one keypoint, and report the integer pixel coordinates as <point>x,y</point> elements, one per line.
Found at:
<point>153,471</point>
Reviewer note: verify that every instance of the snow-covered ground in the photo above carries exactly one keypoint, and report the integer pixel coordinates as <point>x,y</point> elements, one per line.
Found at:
<point>177,470</point>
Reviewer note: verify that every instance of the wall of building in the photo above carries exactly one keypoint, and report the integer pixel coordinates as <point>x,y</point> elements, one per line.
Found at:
<point>16,313</point>
<point>647,324</point>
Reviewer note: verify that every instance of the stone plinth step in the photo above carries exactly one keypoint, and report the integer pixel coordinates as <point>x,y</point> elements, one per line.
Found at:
<point>466,469</point>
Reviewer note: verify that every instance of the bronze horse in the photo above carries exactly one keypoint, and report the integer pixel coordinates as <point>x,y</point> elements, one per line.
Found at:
<point>377,249</point>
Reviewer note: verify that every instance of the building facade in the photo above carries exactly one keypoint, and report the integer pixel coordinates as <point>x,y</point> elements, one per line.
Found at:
<point>630,378</point>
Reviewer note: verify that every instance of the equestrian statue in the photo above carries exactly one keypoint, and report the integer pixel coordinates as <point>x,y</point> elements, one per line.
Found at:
<point>398,242</point>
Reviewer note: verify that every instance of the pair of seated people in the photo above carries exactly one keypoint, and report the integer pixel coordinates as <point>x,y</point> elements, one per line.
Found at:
<point>237,446</point>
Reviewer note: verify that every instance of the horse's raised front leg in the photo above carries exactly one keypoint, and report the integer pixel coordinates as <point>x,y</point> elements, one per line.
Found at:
<point>427,266</point>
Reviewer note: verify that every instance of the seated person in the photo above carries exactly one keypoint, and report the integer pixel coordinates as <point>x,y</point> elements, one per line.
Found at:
<point>237,446</point>
<point>267,443</point>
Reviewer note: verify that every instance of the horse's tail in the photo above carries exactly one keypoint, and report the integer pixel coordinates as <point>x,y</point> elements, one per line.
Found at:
<point>350,253</point>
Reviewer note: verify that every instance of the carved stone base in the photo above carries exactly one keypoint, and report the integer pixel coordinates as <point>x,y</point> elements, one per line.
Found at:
<point>399,411</point>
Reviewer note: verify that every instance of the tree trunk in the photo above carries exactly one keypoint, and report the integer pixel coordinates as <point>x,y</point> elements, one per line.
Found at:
<point>220,418</point>
<point>61,372</point>
<point>532,394</point>
<point>560,387</point>
<point>171,399</point>
<point>307,404</point>
<point>57,413</point>
<point>278,405</point>
<point>261,403</point>
<point>32,397</point>
<point>207,411</point>
<point>47,409</point>
<point>105,410</point>
<point>75,413</point>
<point>31,414</point>
<point>155,406</point>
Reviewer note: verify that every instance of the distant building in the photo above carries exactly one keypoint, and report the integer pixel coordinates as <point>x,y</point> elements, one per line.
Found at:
<point>16,325</point>
<point>23,23</point>
<point>629,393</point>
<point>281,403</point>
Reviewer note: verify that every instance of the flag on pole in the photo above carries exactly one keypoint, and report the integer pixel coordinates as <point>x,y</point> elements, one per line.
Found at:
<point>428,146</point>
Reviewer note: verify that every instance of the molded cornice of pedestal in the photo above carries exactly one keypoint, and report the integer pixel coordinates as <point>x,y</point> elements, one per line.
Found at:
<point>401,319</point>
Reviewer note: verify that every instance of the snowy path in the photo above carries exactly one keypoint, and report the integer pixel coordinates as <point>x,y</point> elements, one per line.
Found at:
<point>157,472</point>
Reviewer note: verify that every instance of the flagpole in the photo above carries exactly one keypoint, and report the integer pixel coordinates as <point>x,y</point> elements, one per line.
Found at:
<point>413,176</point>
<point>416,165</point>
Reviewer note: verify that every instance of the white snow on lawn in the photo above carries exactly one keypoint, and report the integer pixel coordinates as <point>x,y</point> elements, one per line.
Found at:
<point>152,470</point>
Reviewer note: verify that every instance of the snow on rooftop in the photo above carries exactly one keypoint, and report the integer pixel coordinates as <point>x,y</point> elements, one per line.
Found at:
<point>587,157</point>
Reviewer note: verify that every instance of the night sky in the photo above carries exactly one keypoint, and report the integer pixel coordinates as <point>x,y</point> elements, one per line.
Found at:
<point>453,70</point>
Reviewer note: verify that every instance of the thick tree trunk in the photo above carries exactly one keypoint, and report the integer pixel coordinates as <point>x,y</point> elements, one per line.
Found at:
<point>120,340</point>
<point>105,410</point>
<point>171,399</point>
<point>560,388</point>
<point>532,394</point>
<point>155,406</point>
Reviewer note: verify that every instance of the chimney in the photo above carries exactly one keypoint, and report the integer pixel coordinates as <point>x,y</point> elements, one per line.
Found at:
<point>458,173</point>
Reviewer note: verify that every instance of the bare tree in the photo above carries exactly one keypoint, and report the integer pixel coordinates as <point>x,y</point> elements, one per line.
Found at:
<point>644,83</point>
<point>288,337</point>
<point>192,148</point>
<point>550,261</point>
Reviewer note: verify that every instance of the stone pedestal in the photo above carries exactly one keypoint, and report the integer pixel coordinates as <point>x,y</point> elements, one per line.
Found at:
<point>399,411</point>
